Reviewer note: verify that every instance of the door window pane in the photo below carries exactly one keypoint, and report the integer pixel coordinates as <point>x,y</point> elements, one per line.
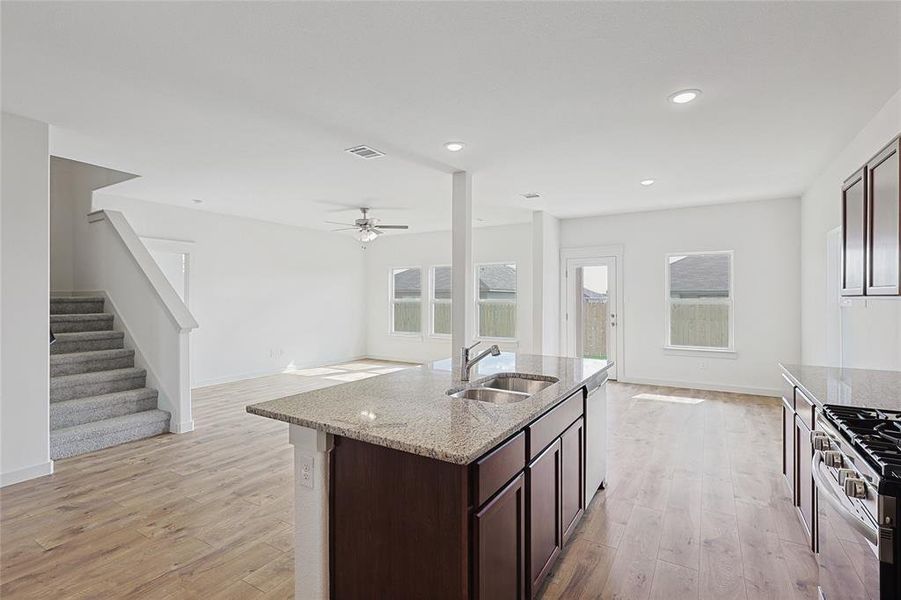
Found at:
<point>594,311</point>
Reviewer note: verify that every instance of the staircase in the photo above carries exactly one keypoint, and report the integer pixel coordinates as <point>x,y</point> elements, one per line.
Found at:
<point>98,398</point>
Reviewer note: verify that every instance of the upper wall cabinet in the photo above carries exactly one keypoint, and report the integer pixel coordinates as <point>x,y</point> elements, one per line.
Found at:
<point>871,227</point>
<point>854,213</point>
<point>884,220</point>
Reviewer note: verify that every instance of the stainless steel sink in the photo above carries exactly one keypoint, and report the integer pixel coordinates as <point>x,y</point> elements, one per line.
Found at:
<point>484,394</point>
<point>519,384</point>
<point>504,388</point>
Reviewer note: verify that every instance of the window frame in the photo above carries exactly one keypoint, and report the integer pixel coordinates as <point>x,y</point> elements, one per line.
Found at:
<point>433,301</point>
<point>478,301</point>
<point>392,301</point>
<point>667,299</point>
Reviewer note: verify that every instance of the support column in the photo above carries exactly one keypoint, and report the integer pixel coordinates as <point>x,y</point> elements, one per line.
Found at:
<point>311,516</point>
<point>461,266</point>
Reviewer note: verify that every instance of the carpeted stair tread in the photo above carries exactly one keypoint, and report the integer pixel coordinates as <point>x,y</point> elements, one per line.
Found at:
<point>86,341</point>
<point>68,413</point>
<point>60,305</point>
<point>80,385</point>
<point>87,437</point>
<point>95,360</point>
<point>68,323</point>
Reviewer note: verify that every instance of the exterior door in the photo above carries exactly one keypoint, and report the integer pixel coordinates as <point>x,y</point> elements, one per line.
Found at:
<point>591,311</point>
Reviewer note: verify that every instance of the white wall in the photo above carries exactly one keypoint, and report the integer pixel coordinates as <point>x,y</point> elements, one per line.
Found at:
<point>72,185</point>
<point>24,300</point>
<point>511,243</point>
<point>267,296</point>
<point>821,212</point>
<point>764,236</point>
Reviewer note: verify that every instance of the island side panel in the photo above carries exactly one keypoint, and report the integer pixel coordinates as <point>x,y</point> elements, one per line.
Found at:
<point>398,524</point>
<point>311,507</point>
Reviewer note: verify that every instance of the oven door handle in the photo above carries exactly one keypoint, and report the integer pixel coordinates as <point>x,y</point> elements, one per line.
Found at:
<point>870,533</point>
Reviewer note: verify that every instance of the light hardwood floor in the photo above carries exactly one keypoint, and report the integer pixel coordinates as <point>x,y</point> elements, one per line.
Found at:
<point>695,507</point>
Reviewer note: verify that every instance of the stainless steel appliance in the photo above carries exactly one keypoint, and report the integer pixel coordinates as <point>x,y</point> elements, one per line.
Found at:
<point>857,471</point>
<point>595,441</point>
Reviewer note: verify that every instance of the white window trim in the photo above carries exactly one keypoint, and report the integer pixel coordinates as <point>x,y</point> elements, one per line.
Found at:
<point>727,352</point>
<point>433,301</point>
<point>392,301</point>
<point>475,290</point>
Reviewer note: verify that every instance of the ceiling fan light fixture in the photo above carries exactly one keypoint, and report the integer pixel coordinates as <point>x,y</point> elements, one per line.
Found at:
<point>366,235</point>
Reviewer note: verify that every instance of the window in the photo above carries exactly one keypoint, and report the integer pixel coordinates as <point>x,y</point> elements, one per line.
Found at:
<point>699,300</point>
<point>496,300</point>
<point>406,300</point>
<point>441,300</point>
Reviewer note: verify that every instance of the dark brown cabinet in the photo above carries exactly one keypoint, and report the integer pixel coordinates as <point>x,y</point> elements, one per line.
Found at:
<point>499,539</point>
<point>806,493</point>
<point>798,415</point>
<point>883,175</point>
<point>788,446</point>
<point>543,485</point>
<point>854,218</point>
<point>573,472</point>
<point>871,226</point>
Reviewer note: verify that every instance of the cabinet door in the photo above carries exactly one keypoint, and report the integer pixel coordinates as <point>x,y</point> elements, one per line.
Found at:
<point>543,479</point>
<point>788,448</point>
<point>883,275</point>
<point>573,485</point>
<point>806,493</point>
<point>854,221</point>
<point>500,545</point>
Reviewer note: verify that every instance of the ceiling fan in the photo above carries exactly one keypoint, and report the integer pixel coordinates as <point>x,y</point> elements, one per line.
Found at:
<point>368,228</point>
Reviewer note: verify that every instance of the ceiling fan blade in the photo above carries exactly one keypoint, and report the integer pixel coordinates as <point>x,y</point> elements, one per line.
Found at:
<point>344,229</point>
<point>376,230</point>
<point>337,223</point>
<point>394,226</point>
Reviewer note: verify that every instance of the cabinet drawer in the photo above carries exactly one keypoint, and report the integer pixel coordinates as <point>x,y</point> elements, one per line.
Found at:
<point>549,427</point>
<point>498,467</point>
<point>788,392</point>
<point>804,408</point>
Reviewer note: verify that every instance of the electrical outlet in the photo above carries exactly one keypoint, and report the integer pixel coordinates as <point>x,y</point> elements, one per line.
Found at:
<point>306,470</point>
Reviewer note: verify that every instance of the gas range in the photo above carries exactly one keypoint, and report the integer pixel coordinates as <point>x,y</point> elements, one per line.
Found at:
<point>875,434</point>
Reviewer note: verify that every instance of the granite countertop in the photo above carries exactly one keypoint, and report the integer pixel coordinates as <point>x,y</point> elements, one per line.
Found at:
<point>863,388</point>
<point>410,410</point>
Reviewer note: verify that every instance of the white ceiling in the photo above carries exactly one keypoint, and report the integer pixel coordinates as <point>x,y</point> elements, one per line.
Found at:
<point>249,106</point>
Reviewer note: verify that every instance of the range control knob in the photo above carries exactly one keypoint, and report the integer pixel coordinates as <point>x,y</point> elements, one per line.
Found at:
<point>855,487</point>
<point>844,474</point>
<point>833,459</point>
<point>821,442</point>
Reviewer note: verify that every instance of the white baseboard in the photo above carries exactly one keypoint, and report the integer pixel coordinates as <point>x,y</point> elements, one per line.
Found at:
<point>267,372</point>
<point>26,473</point>
<point>712,387</point>
<point>183,427</point>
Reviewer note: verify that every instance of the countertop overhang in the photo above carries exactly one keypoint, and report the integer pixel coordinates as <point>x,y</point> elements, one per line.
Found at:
<point>862,388</point>
<point>410,410</point>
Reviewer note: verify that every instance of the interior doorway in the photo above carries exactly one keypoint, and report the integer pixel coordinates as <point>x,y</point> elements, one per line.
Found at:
<point>591,312</point>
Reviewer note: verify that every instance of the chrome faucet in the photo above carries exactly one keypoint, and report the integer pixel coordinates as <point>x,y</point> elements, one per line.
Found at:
<point>466,364</point>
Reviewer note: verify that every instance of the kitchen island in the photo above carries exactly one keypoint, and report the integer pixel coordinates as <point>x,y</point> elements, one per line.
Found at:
<point>404,491</point>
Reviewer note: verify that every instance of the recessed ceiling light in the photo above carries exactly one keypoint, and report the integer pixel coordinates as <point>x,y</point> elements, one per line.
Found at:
<point>454,146</point>
<point>646,182</point>
<point>684,96</point>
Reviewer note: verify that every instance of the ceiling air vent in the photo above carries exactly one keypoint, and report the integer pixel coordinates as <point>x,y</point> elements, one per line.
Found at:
<point>531,196</point>
<point>365,152</point>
